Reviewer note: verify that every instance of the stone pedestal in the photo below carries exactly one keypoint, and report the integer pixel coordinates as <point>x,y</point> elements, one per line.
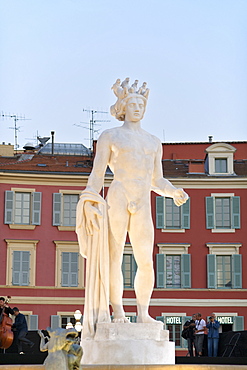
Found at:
<point>123,344</point>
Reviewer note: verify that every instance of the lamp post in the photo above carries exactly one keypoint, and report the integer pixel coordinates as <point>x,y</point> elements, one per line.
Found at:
<point>77,316</point>
<point>78,325</point>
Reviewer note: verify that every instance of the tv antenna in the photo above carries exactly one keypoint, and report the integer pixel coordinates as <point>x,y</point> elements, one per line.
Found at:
<point>15,118</point>
<point>92,124</point>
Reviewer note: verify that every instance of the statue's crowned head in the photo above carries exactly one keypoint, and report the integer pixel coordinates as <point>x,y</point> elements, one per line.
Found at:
<point>123,93</point>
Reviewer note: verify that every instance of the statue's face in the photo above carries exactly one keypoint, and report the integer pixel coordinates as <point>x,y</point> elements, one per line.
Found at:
<point>135,109</point>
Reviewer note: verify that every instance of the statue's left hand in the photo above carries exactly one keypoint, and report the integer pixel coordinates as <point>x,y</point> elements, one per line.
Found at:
<point>180,197</point>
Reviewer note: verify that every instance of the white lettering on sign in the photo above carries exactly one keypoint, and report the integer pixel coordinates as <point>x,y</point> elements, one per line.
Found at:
<point>225,320</point>
<point>172,320</point>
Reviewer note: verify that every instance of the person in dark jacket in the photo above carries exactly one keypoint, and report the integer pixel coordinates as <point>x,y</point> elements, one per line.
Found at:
<point>213,336</point>
<point>5,307</point>
<point>190,325</point>
<point>20,328</point>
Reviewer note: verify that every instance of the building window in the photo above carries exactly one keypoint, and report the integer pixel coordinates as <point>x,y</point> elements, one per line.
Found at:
<point>66,319</point>
<point>171,217</point>
<point>22,208</point>
<point>224,271</point>
<point>221,165</point>
<point>69,269</point>
<point>173,266</point>
<point>21,265</point>
<point>224,266</point>
<point>173,271</point>
<point>220,159</point>
<point>222,212</point>
<point>64,210</point>
<point>21,262</point>
<point>175,334</point>
<point>69,265</point>
<point>129,268</point>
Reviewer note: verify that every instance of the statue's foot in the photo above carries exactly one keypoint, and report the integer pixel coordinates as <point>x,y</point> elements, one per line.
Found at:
<point>122,319</point>
<point>145,319</point>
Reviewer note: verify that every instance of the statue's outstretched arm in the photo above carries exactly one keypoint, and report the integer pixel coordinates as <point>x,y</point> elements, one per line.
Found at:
<point>163,186</point>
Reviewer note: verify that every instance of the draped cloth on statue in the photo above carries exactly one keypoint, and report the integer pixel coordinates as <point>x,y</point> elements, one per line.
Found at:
<point>95,248</point>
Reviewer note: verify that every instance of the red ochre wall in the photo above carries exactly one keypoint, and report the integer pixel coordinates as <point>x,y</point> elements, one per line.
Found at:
<point>197,150</point>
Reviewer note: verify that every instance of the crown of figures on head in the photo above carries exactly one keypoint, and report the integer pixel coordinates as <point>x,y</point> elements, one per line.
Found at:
<point>123,92</point>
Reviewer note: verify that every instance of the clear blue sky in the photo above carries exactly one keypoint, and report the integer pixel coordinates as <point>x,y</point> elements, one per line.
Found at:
<point>60,56</point>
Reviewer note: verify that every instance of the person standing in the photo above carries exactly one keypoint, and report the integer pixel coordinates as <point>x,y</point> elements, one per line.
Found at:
<point>213,336</point>
<point>199,333</point>
<point>20,328</point>
<point>190,325</point>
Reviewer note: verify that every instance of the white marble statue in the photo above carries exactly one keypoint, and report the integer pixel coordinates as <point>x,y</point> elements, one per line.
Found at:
<point>134,156</point>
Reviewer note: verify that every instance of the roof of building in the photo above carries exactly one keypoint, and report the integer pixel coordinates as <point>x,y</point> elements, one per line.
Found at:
<point>65,149</point>
<point>38,163</point>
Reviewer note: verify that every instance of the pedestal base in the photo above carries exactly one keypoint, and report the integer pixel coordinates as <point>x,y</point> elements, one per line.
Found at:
<point>123,344</point>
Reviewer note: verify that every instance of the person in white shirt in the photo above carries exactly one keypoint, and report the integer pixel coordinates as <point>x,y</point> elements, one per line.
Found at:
<point>199,333</point>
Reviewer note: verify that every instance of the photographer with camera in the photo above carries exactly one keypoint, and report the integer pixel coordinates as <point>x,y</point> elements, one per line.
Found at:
<point>189,328</point>
<point>213,335</point>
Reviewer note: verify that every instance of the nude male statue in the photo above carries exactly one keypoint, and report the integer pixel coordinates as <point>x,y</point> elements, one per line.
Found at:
<point>134,156</point>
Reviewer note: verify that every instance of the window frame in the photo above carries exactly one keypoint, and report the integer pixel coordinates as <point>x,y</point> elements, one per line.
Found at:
<point>59,224</point>
<point>68,246</point>
<point>220,151</point>
<point>224,249</point>
<point>21,245</point>
<point>184,212</point>
<point>31,225</point>
<point>174,249</point>
<point>211,223</point>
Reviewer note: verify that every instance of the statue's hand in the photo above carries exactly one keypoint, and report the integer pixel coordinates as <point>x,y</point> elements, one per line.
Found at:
<point>180,197</point>
<point>92,215</point>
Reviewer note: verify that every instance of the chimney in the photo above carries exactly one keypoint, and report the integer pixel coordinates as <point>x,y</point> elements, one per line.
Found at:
<point>210,139</point>
<point>52,142</point>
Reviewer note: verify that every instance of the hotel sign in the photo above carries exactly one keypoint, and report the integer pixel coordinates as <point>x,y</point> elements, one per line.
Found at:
<point>225,319</point>
<point>172,320</point>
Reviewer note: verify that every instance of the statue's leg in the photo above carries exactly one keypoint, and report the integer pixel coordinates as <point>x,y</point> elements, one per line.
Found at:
<point>118,218</point>
<point>141,235</point>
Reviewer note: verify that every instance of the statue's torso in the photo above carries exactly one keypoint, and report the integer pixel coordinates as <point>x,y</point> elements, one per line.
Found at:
<point>132,157</point>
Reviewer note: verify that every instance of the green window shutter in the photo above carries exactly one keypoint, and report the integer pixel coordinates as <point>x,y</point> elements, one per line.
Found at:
<point>184,341</point>
<point>185,209</point>
<point>185,269</point>
<point>160,318</point>
<point>16,269</point>
<point>65,268</point>
<point>25,267</point>
<point>9,207</point>
<point>159,212</point>
<point>74,269</point>
<point>160,270</point>
<point>36,208</point>
<point>134,268</point>
<point>210,212</point>
<point>55,322</point>
<point>33,322</point>
<point>57,205</point>
<point>237,271</point>
<point>235,213</point>
<point>211,271</point>
<point>238,323</point>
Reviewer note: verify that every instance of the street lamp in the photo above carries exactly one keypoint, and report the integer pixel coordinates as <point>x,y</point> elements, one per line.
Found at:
<point>77,316</point>
<point>69,325</point>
